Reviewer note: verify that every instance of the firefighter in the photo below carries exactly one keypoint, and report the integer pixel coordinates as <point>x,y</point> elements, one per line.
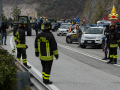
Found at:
<point>45,48</point>
<point>114,40</point>
<point>106,33</point>
<point>20,43</point>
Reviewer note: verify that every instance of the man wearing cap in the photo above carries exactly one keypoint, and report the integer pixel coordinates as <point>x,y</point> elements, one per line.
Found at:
<point>20,44</point>
<point>46,49</point>
<point>114,40</point>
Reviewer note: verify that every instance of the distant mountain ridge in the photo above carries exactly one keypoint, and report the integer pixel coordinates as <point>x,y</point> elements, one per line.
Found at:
<point>93,10</point>
<point>49,8</point>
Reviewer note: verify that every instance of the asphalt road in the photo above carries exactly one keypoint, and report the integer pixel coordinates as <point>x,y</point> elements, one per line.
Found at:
<point>76,69</point>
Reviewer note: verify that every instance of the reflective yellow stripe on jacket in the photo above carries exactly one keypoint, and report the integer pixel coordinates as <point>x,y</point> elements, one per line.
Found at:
<point>42,26</point>
<point>20,46</point>
<point>117,41</point>
<point>113,45</point>
<point>45,58</point>
<point>55,52</point>
<point>36,50</point>
<point>15,38</point>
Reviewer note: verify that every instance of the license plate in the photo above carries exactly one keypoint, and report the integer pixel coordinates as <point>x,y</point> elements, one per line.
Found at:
<point>89,41</point>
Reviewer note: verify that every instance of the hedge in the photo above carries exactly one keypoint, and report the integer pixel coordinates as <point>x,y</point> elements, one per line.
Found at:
<point>8,71</point>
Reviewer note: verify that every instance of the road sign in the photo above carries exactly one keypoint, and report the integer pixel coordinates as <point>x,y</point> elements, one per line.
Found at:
<point>84,19</point>
<point>77,20</point>
<point>103,18</point>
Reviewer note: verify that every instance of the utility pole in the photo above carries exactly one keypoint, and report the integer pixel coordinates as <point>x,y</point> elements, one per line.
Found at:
<point>0,12</point>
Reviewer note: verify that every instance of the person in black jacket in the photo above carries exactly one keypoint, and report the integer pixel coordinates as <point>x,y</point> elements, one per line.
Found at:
<point>45,47</point>
<point>107,35</point>
<point>36,28</point>
<point>3,33</point>
<point>79,34</point>
<point>114,40</point>
<point>20,44</point>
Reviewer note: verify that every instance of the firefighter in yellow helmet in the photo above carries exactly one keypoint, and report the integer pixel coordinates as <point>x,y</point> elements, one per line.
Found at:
<point>113,40</point>
<point>45,48</point>
<point>20,44</point>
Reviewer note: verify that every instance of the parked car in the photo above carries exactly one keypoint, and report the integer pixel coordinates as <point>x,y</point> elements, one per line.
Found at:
<point>71,37</point>
<point>66,24</point>
<point>84,28</point>
<point>63,30</point>
<point>93,37</point>
<point>54,26</point>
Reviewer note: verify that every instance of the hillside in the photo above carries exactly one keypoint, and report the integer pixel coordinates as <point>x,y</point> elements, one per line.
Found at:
<point>93,10</point>
<point>49,8</point>
<point>99,8</point>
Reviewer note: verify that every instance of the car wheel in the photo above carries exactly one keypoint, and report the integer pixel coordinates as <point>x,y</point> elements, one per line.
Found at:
<point>68,40</point>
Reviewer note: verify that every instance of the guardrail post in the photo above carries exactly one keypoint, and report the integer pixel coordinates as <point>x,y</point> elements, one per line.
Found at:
<point>23,79</point>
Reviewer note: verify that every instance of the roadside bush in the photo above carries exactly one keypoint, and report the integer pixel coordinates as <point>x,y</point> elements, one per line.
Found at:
<point>7,71</point>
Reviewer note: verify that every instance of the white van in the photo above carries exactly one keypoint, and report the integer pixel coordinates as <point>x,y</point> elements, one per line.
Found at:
<point>93,37</point>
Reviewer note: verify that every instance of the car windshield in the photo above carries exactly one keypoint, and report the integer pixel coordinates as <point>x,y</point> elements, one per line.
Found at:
<point>24,19</point>
<point>74,31</point>
<point>94,31</point>
<point>64,27</point>
<point>84,28</point>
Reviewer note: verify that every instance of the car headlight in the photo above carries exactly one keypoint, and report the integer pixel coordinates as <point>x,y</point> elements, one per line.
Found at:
<point>67,30</point>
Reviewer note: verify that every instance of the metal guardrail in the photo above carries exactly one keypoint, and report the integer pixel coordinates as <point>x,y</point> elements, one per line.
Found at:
<point>34,78</point>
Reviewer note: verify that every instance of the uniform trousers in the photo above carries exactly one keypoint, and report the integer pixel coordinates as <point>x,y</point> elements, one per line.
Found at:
<point>21,51</point>
<point>46,69</point>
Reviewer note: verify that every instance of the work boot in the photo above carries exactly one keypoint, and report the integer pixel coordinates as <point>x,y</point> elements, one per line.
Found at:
<point>25,64</point>
<point>105,58</point>
<point>47,82</point>
<point>111,60</point>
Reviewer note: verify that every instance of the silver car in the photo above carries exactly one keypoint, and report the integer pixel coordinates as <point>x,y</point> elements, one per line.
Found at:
<point>63,30</point>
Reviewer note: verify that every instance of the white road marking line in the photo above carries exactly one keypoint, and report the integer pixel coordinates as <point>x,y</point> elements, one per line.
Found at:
<point>83,53</point>
<point>11,42</point>
<point>53,87</point>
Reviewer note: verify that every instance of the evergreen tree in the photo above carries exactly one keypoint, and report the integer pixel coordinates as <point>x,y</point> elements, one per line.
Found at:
<point>16,11</point>
<point>3,16</point>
